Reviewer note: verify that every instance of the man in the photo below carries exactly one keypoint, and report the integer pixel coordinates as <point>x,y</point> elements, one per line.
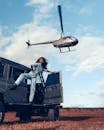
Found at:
<point>35,75</point>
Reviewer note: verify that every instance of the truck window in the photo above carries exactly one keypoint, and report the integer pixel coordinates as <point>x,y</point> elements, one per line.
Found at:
<point>10,72</point>
<point>1,69</point>
<point>15,72</point>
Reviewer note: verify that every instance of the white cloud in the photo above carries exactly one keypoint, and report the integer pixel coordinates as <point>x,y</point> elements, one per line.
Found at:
<point>80,7</point>
<point>87,57</point>
<point>20,52</point>
<point>93,96</point>
<point>17,50</point>
<point>3,39</point>
<point>86,30</point>
<point>41,9</point>
<point>32,2</point>
<point>90,54</point>
<point>87,10</point>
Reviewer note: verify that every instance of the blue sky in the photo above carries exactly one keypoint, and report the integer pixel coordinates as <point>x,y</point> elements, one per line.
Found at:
<point>37,20</point>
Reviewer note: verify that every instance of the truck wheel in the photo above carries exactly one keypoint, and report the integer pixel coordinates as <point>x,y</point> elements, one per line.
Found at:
<point>25,117</point>
<point>56,114</point>
<point>53,114</point>
<point>2,112</point>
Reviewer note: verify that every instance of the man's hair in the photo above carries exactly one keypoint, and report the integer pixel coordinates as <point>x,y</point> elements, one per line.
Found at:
<point>44,65</point>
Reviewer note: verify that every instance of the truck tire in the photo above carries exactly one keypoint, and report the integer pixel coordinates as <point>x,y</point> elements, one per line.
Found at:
<point>56,114</point>
<point>53,114</point>
<point>24,116</point>
<point>2,112</point>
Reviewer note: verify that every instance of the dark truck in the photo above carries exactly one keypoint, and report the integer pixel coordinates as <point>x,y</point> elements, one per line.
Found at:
<point>47,100</point>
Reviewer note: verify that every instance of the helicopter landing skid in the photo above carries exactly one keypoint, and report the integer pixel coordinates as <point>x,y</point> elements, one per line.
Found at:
<point>65,51</point>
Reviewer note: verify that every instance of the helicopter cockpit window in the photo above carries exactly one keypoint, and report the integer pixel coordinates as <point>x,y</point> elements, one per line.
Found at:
<point>15,72</point>
<point>1,69</point>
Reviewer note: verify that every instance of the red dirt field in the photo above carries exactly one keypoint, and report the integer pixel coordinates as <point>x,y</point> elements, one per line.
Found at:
<point>70,119</point>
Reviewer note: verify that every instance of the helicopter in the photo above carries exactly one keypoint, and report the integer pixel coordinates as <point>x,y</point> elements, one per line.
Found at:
<point>63,41</point>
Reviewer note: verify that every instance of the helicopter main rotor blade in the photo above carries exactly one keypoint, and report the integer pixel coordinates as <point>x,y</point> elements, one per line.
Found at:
<point>60,16</point>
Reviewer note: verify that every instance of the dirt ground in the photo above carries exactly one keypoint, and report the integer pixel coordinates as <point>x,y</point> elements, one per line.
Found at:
<point>70,119</point>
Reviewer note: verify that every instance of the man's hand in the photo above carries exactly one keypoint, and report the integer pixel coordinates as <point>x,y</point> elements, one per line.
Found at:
<point>53,72</point>
<point>46,70</point>
<point>31,67</point>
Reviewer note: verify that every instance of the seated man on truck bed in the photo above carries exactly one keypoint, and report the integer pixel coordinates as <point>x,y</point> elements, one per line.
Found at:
<point>35,75</point>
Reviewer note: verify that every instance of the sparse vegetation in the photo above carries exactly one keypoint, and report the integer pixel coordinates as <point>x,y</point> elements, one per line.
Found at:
<point>70,119</point>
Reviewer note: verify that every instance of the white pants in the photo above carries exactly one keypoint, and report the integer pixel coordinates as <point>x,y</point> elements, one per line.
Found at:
<point>32,76</point>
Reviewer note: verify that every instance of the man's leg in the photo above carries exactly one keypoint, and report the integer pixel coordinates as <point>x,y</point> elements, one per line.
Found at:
<point>32,89</point>
<point>22,77</point>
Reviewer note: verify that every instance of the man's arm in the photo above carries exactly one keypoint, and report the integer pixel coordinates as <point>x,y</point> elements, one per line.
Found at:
<point>46,70</point>
<point>33,67</point>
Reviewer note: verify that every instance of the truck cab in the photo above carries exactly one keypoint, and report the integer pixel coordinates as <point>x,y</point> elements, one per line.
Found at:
<point>47,100</point>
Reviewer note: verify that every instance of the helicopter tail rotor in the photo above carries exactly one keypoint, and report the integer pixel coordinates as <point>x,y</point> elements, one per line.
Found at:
<point>28,43</point>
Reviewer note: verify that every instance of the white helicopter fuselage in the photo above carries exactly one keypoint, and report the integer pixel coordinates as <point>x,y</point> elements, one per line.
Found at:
<point>67,41</point>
